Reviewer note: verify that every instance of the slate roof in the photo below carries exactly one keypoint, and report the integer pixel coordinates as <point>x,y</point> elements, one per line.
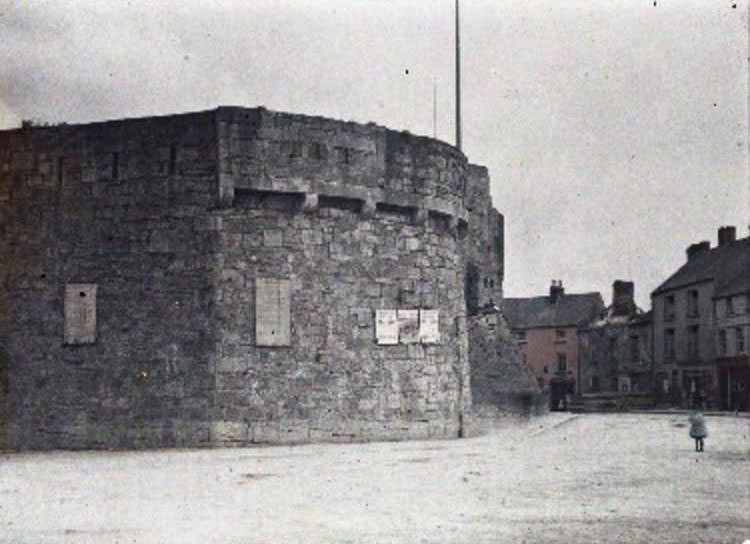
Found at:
<point>728,266</point>
<point>644,318</point>
<point>571,310</point>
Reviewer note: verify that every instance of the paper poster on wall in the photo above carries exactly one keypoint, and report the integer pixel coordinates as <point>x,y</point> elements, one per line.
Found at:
<point>408,326</point>
<point>386,327</point>
<point>429,326</point>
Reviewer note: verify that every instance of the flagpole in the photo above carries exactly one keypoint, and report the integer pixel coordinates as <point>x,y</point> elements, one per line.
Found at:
<point>458,83</point>
<point>434,109</point>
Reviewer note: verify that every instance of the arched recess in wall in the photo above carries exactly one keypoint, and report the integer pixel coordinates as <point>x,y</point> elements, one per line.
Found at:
<point>4,362</point>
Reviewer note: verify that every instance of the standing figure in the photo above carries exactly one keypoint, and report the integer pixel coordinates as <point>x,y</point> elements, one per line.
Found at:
<point>698,429</point>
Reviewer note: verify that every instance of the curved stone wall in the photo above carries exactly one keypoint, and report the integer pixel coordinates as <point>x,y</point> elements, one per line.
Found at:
<point>333,380</point>
<point>145,263</point>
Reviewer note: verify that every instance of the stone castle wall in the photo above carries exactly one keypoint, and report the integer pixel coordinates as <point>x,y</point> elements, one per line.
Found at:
<point>190,238</point>
<point>138,231</point>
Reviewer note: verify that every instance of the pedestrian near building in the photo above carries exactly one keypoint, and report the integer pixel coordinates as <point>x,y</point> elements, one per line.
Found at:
<point>698,429</point>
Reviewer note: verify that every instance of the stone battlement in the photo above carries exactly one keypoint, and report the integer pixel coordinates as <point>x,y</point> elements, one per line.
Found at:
<point>258,149</point>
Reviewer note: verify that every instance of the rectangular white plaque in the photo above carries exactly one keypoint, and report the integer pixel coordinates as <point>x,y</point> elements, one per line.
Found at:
<point>429,326</point>
<point>272,312</point>
<point>80,313</point>
<point>386,327</point>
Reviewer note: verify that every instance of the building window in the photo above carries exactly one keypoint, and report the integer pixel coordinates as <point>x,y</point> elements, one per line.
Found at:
<point>722,341</point>
<point>319,151</point>
<point>521,336</point>
<point>560,334</point>
<point>693,342</point>
<point>562,362</point>
<point>595,383</point>
<point>669,308</point>
<point>692,303</point>
<point>634,349</point>
<point>739,339</point>
<point>730,306</point>
<point>669,344</point>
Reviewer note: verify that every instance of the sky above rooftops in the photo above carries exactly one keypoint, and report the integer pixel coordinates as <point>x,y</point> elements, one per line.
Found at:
<point>615,132</point>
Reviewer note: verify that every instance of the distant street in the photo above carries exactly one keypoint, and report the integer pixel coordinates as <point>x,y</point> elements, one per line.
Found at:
<point>560,478</point>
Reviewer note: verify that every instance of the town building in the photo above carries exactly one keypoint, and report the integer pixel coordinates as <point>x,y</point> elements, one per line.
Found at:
<point>615,348</point>
<point>732,325</point>
<point>697,313</point>
<point>237,276</point>
<point>546,329</point>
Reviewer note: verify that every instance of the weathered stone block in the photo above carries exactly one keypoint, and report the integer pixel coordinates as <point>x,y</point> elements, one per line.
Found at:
<point>227,432</point>
<point>272,238</point>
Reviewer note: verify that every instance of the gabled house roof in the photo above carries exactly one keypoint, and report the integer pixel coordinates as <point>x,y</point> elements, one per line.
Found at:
<point>570,310</point>
<point>728,265</point>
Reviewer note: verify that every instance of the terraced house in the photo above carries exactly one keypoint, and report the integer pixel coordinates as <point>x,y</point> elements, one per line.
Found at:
<point>701,317</point>
<point>546,329</point>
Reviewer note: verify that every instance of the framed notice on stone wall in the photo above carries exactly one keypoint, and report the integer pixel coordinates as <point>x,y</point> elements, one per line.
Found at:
<point>408,326</point>
<point>272,312</point>
<point>80,313</point>
<point>386,327</point>
<point>429,326</point>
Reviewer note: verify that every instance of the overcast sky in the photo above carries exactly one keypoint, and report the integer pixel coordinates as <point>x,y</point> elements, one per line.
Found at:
<point>615,132</point>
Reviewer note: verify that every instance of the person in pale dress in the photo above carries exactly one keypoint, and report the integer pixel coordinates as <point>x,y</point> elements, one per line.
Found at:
<point>698,430</point>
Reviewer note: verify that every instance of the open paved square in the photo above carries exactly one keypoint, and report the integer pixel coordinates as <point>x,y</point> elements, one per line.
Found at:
<point>558,478</point>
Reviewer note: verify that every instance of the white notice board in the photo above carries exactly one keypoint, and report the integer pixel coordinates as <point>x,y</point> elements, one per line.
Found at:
<point>386,327</point>
<point>272,312</point>
<point>80,313</point>
<point>429,326</point>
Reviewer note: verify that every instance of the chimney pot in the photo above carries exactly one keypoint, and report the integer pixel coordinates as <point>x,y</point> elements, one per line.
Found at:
<point>695,249</point>
<point>556,291</point>
<point>727,235</point>
<point>623,297</point>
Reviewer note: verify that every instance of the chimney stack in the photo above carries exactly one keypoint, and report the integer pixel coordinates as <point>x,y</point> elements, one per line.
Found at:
<point>727,235</point>
<point>695,249</point>
<point>623,297</point>
<point>556,291</point>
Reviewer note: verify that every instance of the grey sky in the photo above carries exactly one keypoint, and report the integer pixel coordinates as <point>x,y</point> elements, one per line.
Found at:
<point>615,132</point>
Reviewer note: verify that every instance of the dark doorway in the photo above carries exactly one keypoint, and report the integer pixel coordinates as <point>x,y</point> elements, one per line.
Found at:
<point>559,392</point>
<point>471,289</point>
<point>3,399</point>
<point>737,387</point>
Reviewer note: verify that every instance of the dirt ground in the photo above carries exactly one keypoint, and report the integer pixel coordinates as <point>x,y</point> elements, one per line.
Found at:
<point>558,478</point>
